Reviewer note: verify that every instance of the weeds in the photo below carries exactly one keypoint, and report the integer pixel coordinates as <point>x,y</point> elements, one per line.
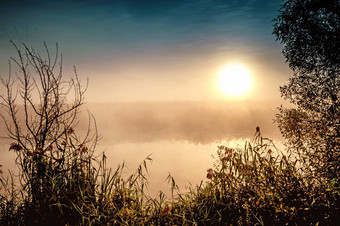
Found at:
<point>257,185</point>
<point>253,185</point>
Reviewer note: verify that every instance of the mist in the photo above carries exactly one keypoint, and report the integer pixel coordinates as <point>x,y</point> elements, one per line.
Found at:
<point>195,122</point>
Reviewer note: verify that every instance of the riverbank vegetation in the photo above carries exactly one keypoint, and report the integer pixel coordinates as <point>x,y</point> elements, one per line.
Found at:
<point>61,182</point>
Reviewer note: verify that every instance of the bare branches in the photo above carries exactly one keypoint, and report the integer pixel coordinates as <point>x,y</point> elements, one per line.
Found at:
<point>40,111</point>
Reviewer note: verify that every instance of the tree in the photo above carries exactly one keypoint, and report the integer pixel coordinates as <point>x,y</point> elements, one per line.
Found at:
<point>39,109</point>
<point>310,32</point>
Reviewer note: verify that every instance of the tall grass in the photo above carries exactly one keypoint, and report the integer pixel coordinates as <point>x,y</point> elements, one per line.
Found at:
<point>252,185</point>
<point>258,185</point>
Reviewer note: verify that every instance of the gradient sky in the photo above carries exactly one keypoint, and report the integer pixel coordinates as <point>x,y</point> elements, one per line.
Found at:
<point>152,50</point>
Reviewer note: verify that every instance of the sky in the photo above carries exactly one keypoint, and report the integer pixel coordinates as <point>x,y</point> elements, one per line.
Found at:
<point>160,60</point>
<point>152,50</point>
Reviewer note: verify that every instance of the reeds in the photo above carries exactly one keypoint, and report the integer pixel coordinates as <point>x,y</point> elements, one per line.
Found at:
<point>253,185</point>
<point>258,185</point>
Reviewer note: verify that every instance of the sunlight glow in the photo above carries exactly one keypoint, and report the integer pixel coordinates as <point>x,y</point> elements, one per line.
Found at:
<point>234,80</point>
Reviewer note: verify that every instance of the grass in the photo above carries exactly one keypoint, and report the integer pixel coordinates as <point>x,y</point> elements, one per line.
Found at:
<point>253,185</point>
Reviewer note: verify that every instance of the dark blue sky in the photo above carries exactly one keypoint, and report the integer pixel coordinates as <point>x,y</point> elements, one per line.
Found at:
<point>138,23</point>
<point>173,35</point>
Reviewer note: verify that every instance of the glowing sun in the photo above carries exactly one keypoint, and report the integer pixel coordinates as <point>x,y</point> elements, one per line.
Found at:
<point>234,80</point>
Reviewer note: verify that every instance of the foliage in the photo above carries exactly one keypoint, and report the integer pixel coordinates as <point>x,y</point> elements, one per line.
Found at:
<point>257,185</point>
<point>310,32</point>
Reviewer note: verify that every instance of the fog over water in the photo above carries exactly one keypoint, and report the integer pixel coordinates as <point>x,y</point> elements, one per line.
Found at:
<point>180,136</point>
<point>194,122</point>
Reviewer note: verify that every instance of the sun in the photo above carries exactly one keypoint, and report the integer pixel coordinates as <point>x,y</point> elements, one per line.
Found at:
<point>234,80</point>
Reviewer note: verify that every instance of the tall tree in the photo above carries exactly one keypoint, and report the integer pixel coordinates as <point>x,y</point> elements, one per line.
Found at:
<point>310,32</point>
